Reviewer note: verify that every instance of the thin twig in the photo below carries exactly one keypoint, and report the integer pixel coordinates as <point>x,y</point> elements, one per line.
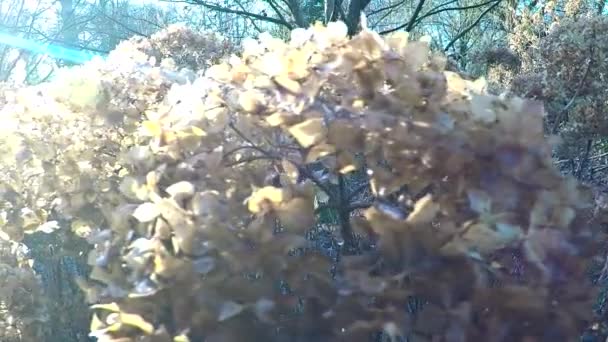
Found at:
<point>601,168</point>
<point>248,160</point>
<point>236,149</point>
<point>360,205</point>
<point>358,189</point>
<point>597,156</point>
<point>302,170</point>
<point>253,145</point>
<point>564,110</point>
<point>412,20</point>
<point>583,164</point>
<point>470,27</point>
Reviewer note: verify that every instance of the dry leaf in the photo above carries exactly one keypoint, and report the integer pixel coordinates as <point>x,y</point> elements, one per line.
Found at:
<point>146,212</point>
<point>319,151</point>
<point>309,132</point>
<point>137,321</point>
<point>424,211</point>
<point>181,189</point>
<point>346,162</point>
<point>152,128</point>
<point>229,309</point>
<point>289,84</point>
<point>266,194</point>
<point>280,118</point>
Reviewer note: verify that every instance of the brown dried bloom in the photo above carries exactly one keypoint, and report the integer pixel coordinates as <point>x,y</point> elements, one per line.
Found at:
<point>22,304</point>
<point>195,243</point>
<point>186,48</point>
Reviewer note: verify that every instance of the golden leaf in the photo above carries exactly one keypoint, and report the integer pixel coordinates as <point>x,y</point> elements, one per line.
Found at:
<point>219,72</point>
<point>319,151</point>
<point>309,132</point>
<point>424,211</point>
<point>29,219</point>
<point>81,228</point>
<point>250,101</point>
<point>181,189</point>
<point>96,323</point>
<point>181,338</point>
<point>280,118</point>
<point>485,239</point>
<point>266,194</point>
<point>198,132</point>
<point>167,266</point>
<point>289,84</point>
<point>137,321</point>
<point>455,83</point>
<point>151,128</point>
<point>346,162</point>
<point>113,307</point>
<point>146,212</point>
<point>398,40</point>
<point>297,65</point>
<point>169,137</point>
<point>134,189</point>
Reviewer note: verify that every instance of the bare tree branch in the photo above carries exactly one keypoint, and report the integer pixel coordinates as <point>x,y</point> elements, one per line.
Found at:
<point>585,159</point>
<point>248,160</point>
<point>436,10</point>
<point>354,15</point>
<point>296,11</point>
<point>147,21</point>
<point>560,115</point>
<point>412,21</point>
<point>601,4</point>
<point>277,10</point>
<point>470,27</point>
<point>389,7</point>
<point>250,19</point>
<point>119,23</point>
<point>232,11</point>
<point>360,205</point>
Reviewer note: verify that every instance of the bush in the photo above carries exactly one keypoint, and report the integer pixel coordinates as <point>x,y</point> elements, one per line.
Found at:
<point>197,197</point>
<point>561,62</point>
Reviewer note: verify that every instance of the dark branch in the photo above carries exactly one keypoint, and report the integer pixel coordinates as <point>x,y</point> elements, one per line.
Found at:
<point>559,116</point>
<point>470,27</point>
<point>358,189</point>
<point>359,205</point>
<point>585,159</point>
<point>232,11</point>
<point>436,10</point>
<point>374,12</point>
<point>248,160</point>
<point>277,10</point>
<point>412,21</point>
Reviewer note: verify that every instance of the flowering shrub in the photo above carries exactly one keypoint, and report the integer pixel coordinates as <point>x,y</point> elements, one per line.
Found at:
<point>196,196</point>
